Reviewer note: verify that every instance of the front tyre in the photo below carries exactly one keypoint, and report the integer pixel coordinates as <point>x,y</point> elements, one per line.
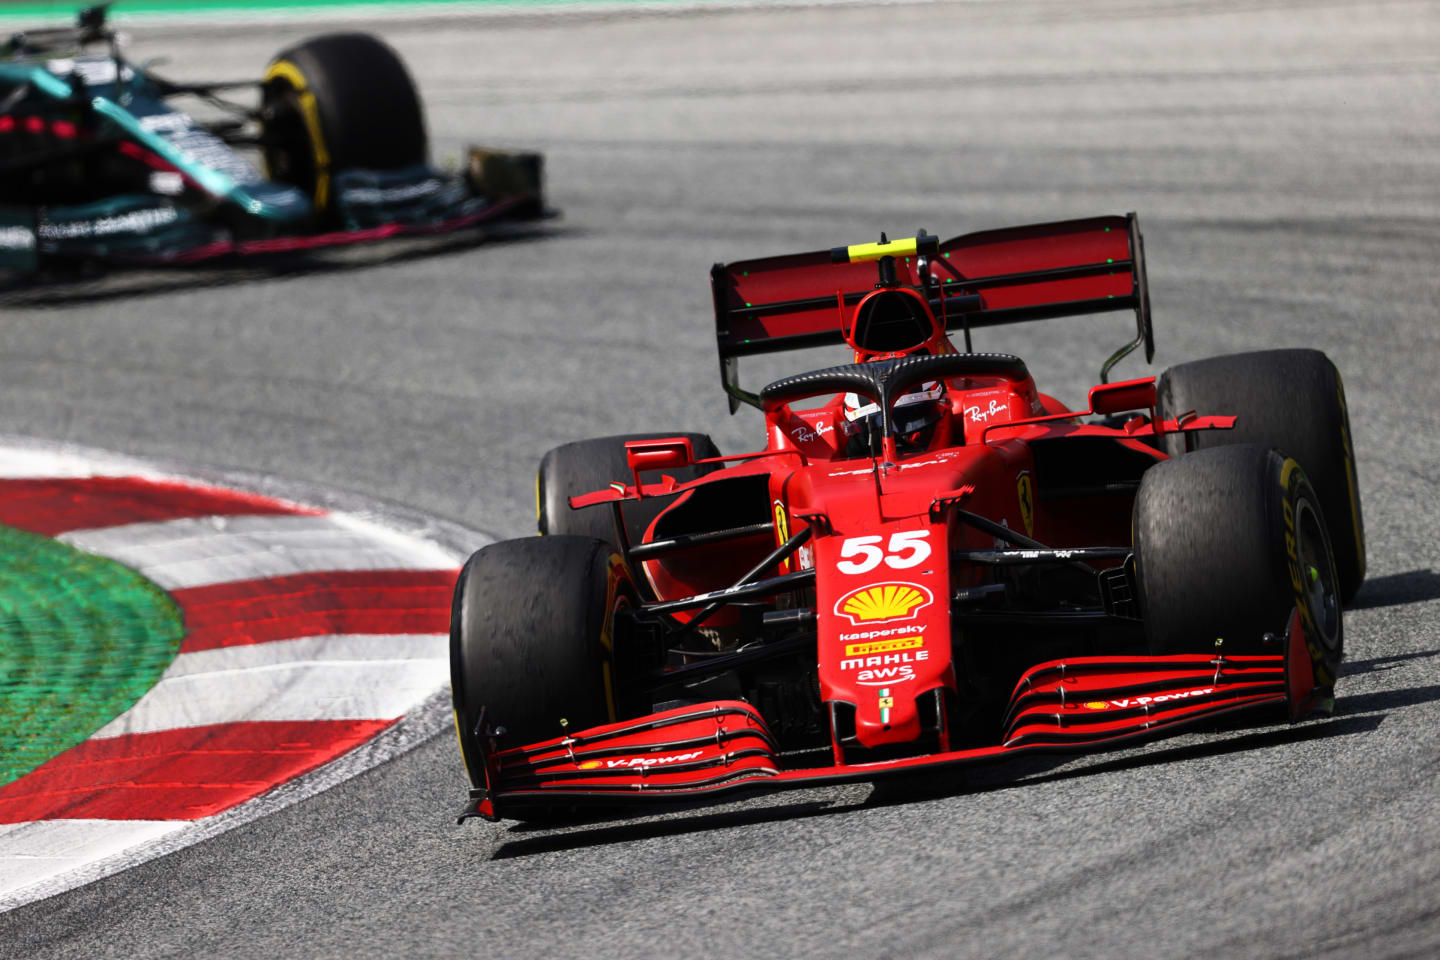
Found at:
<point>1227,542</point>
<point>343,100</point>
<point>588,465</point>
<point>531,640</point>
<point>1292,400</point>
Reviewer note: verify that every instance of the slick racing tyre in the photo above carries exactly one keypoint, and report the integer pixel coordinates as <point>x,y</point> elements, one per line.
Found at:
<point>589,465</point>
<point>1291,400</point>
<point>343,100</point>
<point>1228,542</point>
<point>531,640</point>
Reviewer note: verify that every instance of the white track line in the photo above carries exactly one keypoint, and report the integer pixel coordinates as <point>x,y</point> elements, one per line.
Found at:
<point>199,551</point>
<point>321,689</point>
<point>358,647</point>
<point>322,677</point>
<point>28,463</point>
<point>33,852</point>
<point>416,727</point>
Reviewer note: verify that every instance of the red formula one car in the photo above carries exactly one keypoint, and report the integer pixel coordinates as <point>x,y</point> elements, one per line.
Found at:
<point>930,563</point>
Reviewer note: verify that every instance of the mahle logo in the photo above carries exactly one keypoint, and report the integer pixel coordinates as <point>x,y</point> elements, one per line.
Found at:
<point>883,601</point>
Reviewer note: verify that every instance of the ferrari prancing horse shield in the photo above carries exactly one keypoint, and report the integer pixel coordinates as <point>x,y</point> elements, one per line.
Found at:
<point>1026,494</point>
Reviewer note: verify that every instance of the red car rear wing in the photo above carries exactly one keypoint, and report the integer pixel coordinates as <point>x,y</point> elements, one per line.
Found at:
<point>981,279</point>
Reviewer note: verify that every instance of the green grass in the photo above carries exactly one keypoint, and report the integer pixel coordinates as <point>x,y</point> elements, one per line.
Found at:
<point>81,639</point>
<point>53,14</point>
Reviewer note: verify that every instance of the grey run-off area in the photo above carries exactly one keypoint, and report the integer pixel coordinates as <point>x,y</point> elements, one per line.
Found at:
<point>1285,161</point>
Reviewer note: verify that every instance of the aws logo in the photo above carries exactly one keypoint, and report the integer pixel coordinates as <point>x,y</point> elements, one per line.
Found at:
<point>883,601</point>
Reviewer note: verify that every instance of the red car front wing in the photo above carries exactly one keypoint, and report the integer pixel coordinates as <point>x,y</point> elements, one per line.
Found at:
<point>715,750</point>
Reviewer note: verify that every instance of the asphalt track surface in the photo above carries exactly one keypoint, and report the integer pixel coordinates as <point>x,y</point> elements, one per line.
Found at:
<point>1283,158</point>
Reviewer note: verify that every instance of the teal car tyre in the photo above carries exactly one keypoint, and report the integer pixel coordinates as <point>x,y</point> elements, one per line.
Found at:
<point>335,102</point>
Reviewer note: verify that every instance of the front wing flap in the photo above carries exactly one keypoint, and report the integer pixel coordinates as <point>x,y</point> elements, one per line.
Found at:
<point>148,230</point>
<point>719,749</point>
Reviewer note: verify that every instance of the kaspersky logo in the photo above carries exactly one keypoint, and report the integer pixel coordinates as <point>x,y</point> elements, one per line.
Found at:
<point>880,602</point>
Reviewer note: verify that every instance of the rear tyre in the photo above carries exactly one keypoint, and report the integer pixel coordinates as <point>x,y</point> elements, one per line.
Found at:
<point>1292,400</point>
<point>589,465</point>
<point>343,100</point>
<point>531,631</point>
<point>1227,542</point>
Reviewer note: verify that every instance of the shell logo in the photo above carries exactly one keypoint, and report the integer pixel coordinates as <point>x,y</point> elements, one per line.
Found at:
<point>589,764</point>
<point>883,601</point>
<point>1097,705</point>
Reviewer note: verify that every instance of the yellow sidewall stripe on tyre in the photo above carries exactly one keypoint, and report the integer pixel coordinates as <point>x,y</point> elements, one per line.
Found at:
<point>287,71</point>
<point>1348,451</point>
<point>616,571</point>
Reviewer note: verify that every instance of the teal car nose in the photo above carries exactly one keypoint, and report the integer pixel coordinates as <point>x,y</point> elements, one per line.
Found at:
<point>278,202</point>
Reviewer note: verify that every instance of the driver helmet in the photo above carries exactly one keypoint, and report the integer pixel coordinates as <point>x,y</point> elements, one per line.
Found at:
<point>916,414</point>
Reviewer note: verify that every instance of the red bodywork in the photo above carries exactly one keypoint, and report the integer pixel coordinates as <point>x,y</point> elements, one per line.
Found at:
<point>714,749</point>
<point>895,554</point>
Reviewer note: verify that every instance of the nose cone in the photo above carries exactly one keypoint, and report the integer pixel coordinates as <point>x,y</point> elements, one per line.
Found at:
<point>883,631</point>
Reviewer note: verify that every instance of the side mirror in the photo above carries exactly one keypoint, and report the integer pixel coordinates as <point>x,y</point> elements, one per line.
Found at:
<point>669,453</point>
<point>1111,398</point>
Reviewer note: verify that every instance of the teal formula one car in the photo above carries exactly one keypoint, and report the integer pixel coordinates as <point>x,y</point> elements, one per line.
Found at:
<point>97,167</point>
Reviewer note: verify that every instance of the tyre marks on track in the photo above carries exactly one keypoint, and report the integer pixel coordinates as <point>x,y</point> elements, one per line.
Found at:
<point>308,633</point>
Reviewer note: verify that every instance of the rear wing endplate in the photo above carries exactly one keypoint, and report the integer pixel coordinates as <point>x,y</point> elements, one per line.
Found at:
<point>983,279</point>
